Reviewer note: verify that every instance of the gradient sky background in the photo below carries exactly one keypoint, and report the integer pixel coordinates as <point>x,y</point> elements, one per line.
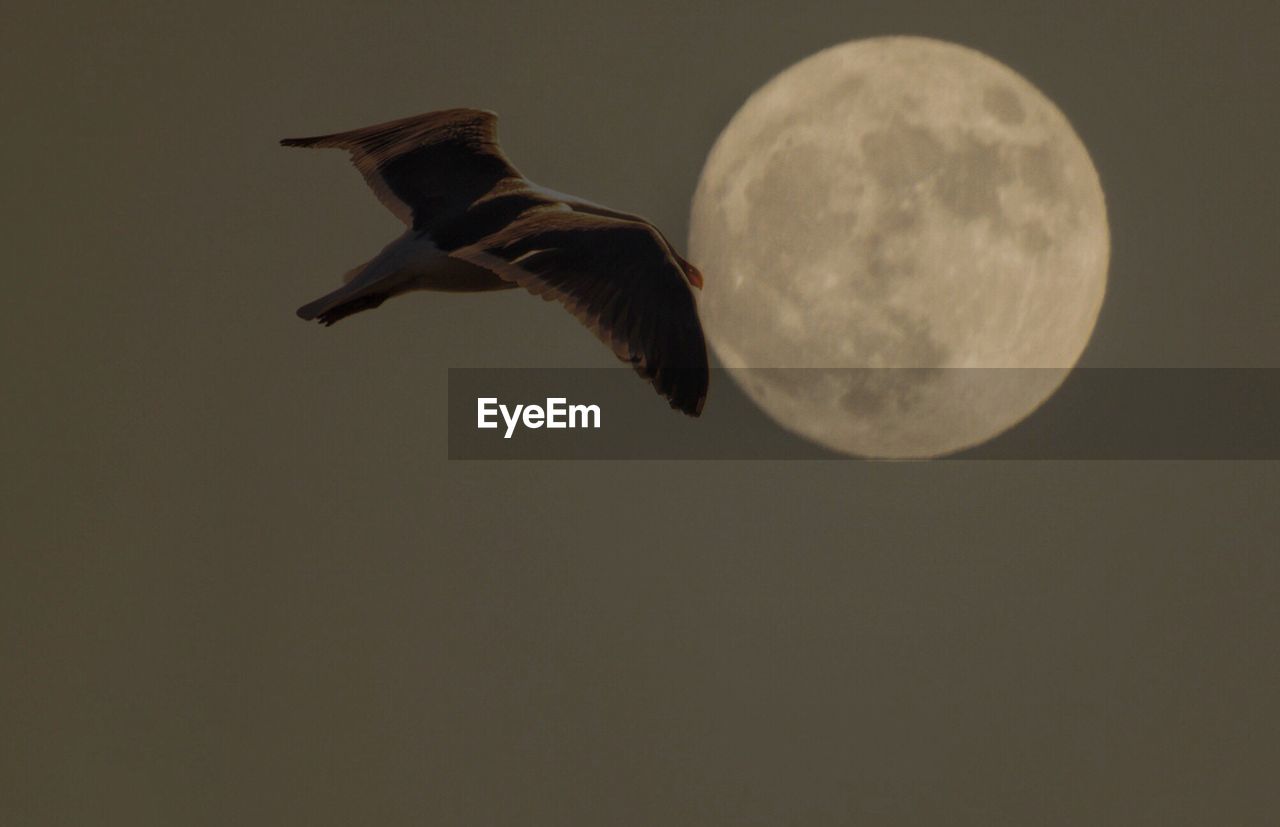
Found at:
<point>242,585</point>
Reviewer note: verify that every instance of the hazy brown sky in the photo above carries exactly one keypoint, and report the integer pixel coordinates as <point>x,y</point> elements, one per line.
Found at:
<point>243,585</point>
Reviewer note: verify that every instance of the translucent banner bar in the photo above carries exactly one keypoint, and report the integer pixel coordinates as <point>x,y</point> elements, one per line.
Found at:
<point>1096,413</point>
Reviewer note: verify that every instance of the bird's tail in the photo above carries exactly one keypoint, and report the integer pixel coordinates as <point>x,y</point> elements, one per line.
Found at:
<point>398,268</point>
<point>354,295</point>
<point>341,303</point>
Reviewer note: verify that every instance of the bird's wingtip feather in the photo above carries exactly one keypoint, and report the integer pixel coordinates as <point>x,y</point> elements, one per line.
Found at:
<point>298,141</point>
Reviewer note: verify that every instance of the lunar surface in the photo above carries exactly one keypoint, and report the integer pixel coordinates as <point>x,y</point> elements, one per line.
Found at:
<point>905,247</point>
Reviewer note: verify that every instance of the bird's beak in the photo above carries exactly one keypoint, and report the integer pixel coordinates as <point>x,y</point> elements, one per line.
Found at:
<point>693,274</point>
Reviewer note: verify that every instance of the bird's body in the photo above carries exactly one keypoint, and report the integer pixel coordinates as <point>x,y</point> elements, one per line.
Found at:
<point>475,224</point>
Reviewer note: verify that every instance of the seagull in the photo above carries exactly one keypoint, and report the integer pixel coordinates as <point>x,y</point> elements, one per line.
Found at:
<point>476,224</point>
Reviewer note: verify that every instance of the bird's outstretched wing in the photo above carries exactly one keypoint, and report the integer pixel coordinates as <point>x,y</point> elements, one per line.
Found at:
<point>427,169</point>
<point>620,279</point>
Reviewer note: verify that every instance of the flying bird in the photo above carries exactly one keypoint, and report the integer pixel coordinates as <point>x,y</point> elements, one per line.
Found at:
<point>474,224</point>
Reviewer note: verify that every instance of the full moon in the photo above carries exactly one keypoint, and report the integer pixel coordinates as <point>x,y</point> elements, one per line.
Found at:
<point>904,245</point>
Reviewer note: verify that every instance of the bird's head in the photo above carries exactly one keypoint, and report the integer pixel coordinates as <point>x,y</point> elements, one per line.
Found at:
<point>692,274</point>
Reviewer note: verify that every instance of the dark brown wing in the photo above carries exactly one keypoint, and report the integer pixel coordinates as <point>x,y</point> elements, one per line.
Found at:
<point>427,169</point>
<point>620,279</point>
